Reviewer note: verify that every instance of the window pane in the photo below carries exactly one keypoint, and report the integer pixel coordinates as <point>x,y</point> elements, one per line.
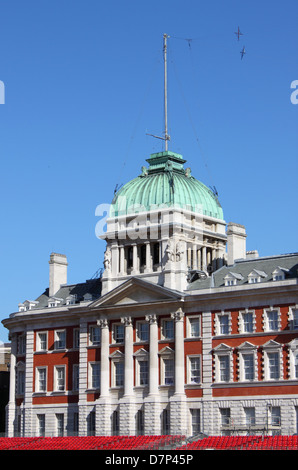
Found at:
<point>194,327</point>
<point>224,368</point>
<point>224,324</point>
<point>169,371</point>
<point>195,372</point>
<point>273,360</point>
<point>119,374</point>
<point>248,361</point>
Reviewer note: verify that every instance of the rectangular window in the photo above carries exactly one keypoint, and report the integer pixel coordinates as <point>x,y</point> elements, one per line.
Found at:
<point>224,368</point>
<point>118,332</point>
<point>195,370</point>
<point>60,424</point>
<point>196,421</point>
<point>42,338</point>
<point>60,378</point>
<point>22,344</point>
<point>41,424</point>
<point>273,364</point>
<point>142,331</point>
<point>250,416</point>
<point>75,377</point>
<point>21,382</point>
<point>295,319</point>
<point>144,370</point>
<point>275,416</point>
<point>119,374</point>
<point>168,329</point>
<point>76,338</point>
<point>194,327</point>
<point>248,363</point>
<point>60,339</point>
<point>169,371</point>
<point>41,383</point>
<point>224,324</point>
<point>95,335</point>
<point>248,326</point>
<point>95,375</point>
<point>272,317</point>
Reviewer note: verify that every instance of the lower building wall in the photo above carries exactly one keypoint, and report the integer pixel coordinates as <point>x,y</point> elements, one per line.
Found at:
<point>154,417</point>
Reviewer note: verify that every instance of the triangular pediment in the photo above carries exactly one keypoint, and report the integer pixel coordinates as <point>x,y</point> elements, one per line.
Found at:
<point>247,346</point>
<point>222,348</point>
<point>136,291</point>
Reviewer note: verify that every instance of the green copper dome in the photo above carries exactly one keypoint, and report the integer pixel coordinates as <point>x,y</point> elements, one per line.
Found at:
<point>165,184</point>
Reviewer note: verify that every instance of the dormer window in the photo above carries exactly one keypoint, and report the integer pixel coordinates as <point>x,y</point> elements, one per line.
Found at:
<point>279,274</point>
<point>71,299</point>
<point>232,279</point>
<point>54,302</point>
<point>256,276</point>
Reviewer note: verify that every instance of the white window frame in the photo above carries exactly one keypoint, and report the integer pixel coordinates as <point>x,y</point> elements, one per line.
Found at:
<point>243,351</point>
<point>76,338</point>
<point>141,356</point>
<point>93,329</point>
<point>164,329</point>
<point>242,323</point>
<point>20,378</point>
<point>167,354</point>
<point>266,320</point>
<point>189,319</point>
<point>39,347</point>
<point>38,371</point>
<point>75,377</point>
<point>116,357</point>
<point>272,347</point>
<point>59,387</point>
<point>22,344</point>
<point>115,334</point>
<point>218,325</point>
<point>293,359</point>
<point>58,340</point>
<point>92,367</point>
<point>220,351</point>
<point>190,380</point>
<point>60,430</point>
<point>293,317</point>
<point>139,333</point>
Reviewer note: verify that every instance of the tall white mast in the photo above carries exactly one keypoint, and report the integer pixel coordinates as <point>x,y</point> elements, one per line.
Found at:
<point>167,137</point>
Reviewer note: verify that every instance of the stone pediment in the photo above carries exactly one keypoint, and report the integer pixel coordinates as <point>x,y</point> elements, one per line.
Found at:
<point>136,291</point>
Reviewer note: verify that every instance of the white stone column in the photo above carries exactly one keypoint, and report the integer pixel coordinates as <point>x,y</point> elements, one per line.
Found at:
<point>152,407</point>
<point>179,351</point>
<point>128,358</point>
<point>83,378</point>
<point>153,354</point>
<point>204,258</point>
<point>134,259</point>
<point>11,407</point>
<point>28,384</point>
<point>178,403</point>
<point>121,254</point>
<point>148,268</point>
<point>104,359</point>
<point>103,403</point>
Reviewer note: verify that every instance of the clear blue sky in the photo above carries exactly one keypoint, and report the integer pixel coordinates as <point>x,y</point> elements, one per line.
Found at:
<point>84,84</point>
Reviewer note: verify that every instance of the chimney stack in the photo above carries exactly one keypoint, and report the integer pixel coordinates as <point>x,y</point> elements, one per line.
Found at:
<point>236,242</point>
<point>58,272</point>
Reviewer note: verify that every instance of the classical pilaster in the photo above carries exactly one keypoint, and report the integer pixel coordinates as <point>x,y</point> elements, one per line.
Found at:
<point>152,407</point>
<point>127,402</point>
<point>83,379</point>
<point>11,407</point>
<point>178,404</point>
<point>28,431</point>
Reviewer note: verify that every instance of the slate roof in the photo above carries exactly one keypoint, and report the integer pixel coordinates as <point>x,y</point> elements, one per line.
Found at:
<point>265,265</point>
<point>92,286</point>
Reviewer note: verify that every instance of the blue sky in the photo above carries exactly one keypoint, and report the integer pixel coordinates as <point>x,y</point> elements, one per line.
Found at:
<point>84,84</point>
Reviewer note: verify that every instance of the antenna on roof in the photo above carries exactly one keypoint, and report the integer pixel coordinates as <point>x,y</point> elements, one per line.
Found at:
<point>166,137</point>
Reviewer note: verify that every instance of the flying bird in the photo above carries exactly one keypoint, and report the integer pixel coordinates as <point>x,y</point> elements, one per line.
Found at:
<point>238,33</point>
